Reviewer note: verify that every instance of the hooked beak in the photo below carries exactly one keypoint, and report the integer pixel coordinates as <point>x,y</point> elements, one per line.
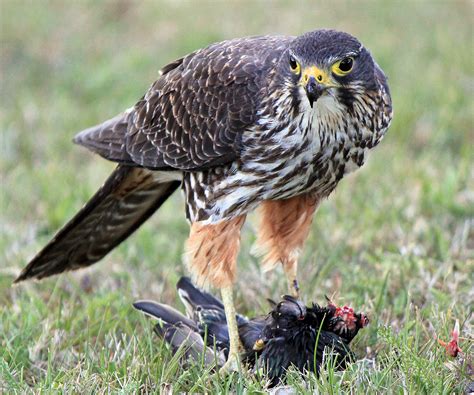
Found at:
<point>315,81</point>
<point>314,90</point>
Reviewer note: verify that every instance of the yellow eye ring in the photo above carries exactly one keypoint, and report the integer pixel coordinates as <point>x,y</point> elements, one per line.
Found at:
<point>295,67</point>
<point>343,66</point>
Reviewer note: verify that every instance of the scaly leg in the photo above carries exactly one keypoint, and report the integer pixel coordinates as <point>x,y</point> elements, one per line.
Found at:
<point>291,270</point>
<point>233,360</point>
<point>284,227</point>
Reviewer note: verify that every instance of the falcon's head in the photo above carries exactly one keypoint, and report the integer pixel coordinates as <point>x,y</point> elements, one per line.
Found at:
<point>330,71</point>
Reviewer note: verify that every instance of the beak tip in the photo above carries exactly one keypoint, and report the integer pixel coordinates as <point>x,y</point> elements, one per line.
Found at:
<point>313,90</point>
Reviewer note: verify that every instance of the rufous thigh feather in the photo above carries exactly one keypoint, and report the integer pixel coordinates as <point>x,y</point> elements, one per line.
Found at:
<point>211,252</point>
<point>284,227</point>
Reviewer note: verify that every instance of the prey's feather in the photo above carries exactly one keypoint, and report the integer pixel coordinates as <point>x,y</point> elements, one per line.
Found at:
<point>291,334</point>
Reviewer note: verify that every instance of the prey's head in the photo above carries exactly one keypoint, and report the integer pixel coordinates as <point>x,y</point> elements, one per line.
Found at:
<point>332,65</point>
<point>289,312</point>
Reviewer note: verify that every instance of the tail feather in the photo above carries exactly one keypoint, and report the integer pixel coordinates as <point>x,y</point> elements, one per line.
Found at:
<point>193,297</point>
<point>181,333</point>
<point>128,198</point>
<point>181,337</point>
<point>164,312</point>
<point>202,306</point>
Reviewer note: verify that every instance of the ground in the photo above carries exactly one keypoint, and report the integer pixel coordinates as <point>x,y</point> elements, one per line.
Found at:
<point>396,238</point>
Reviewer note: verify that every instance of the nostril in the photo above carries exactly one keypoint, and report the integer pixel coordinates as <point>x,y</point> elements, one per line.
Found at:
<point>319,77</point>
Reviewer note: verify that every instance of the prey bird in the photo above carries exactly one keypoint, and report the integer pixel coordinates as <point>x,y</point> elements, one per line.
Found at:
<point>291,334</point>
<point>268,122</point>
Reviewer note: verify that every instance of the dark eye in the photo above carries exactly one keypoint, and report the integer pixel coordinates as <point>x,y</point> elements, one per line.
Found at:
<point>343,67</point>
<point>346,64</point>
<point>294,65</point>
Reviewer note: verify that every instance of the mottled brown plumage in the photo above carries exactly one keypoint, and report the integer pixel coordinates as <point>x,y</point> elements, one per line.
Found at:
<point>193,116</point>
<point>275,121</point>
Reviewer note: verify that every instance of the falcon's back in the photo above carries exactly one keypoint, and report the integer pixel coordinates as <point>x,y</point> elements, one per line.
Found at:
<point>194,115</point>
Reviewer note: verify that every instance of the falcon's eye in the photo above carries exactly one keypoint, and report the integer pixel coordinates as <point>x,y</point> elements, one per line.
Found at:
<point>343,67</point>
<point>294,65</point>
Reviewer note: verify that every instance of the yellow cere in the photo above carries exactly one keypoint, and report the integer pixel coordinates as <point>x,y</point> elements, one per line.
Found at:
<point>320,76</point>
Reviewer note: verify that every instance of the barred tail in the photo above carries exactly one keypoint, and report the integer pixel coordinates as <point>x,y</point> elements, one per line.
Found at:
<point>128,198</point>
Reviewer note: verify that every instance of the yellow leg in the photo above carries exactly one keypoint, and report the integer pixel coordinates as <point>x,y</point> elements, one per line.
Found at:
<point>233,361</point>
<point>291,269</point>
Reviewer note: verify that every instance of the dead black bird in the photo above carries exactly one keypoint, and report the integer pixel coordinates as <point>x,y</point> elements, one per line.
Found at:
<point>291,334</point>
<point>342,321</point>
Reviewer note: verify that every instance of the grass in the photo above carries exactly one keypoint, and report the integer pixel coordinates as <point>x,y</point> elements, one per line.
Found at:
<point>395,239</point>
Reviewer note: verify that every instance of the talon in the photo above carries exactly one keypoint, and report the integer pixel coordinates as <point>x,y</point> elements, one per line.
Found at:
<point>232,365</point>
<point>296,289</point>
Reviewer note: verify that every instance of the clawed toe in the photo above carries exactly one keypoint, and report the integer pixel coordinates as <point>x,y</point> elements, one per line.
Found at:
<point>232,365</point>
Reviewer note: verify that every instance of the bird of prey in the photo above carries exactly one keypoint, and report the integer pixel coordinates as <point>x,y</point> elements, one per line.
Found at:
<point>291,334</point>
<point>268,122</point>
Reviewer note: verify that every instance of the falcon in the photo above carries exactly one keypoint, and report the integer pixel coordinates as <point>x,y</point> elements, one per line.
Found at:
<point>267,122</point>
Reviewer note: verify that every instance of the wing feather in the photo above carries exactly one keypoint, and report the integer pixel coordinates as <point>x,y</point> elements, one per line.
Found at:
<point>193,117</point>
<point>202,107</point>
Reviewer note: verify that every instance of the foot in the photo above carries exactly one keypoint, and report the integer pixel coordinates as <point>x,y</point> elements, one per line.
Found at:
<point>232,364</point>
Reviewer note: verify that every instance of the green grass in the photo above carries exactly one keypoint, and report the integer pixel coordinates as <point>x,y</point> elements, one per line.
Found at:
<point>396,239</point>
